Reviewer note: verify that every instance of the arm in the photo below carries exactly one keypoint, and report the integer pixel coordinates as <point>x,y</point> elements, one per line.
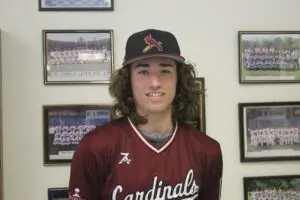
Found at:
<point>212,186</point>
<point>87,174</point>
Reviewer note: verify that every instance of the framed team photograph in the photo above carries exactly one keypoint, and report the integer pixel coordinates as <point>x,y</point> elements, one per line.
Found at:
<point>77,56</point>
<point>269,131</point>
<point>65,125</point>
<point>76,5</point>
<point>58,193</point>
<point>272,187</point>
<point>269,56</point>
<point>198,116</point>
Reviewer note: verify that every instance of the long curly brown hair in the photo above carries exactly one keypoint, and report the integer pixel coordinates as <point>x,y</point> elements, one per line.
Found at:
<point>184,103</point>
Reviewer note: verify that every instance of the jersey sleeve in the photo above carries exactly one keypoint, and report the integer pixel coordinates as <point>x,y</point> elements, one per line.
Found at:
<point>87,173</point>
<point>213,180</point>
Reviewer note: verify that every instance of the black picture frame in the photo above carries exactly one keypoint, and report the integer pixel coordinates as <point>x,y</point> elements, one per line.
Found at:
<point>72,5</point>
<point>269,57</point>
<point>65,125</point>
<point>272,187</point>
<point>198,117</point>
<point>78,56</point>
<point>269,131</point>
<point>58,193</point>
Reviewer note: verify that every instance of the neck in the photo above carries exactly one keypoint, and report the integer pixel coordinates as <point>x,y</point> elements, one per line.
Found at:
<point>160,123</point>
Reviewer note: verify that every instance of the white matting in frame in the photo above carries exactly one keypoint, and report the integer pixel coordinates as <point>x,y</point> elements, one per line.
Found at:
<point>78,56</point>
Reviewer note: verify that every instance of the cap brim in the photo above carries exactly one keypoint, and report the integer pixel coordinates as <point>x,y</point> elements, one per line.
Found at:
<point>177,58</point>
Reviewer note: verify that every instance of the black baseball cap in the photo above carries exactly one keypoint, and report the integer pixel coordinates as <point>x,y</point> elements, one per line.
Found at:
<point>152,43</point>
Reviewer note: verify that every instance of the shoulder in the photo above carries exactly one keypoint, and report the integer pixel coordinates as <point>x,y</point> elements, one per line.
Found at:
<point>205,148</point>
<point>200,140</point>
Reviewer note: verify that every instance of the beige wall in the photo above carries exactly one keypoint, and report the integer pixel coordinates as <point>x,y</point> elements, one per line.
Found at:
<point>207,31</point>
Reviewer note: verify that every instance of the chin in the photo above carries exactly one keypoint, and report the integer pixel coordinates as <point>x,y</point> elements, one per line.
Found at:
<point>158,109</point>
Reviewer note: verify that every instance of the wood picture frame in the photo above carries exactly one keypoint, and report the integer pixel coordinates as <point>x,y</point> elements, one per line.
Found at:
<point>269,57</point>
<point>198,117</point>
<point>58,193</point>
<point>65,125</point>
<point>78,56</point>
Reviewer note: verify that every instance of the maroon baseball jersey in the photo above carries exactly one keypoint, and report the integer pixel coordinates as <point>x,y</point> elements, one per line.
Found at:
<point>115,162</point>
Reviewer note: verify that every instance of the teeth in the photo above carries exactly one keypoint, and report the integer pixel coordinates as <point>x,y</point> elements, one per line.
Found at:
<point>155,94</point>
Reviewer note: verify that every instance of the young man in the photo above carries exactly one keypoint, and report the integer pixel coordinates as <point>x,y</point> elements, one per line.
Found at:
<point>149,153</point>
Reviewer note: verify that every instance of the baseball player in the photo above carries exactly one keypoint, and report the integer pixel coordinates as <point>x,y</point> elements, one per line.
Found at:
<point>148,152</point>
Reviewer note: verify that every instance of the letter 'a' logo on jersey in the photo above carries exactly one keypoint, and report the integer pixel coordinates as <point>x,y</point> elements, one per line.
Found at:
<point>125,158</point>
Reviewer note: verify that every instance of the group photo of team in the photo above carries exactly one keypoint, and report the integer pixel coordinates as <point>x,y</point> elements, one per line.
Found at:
<point>66,127</point>
<point>78,56</point>
<point>270,131</point>
<point>270,56</point>
<point>273,129</point>
<point>272,136</point>
<point>272,188</point>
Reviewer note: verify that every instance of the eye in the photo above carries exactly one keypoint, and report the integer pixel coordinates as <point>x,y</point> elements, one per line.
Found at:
<point>143,72</point>
<point>166,71</point>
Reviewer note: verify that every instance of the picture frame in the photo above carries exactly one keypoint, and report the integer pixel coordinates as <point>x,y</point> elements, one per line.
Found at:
<point>269,131</point>
<point>198,117</point>
<point>58,193</point>
<point>272,187</point>
<point>76,5</point>
<point>78,56</point>
<point>269,57</point>
<point>65,125</point>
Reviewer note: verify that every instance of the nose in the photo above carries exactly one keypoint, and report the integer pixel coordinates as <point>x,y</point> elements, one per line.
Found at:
<point>155,82</point>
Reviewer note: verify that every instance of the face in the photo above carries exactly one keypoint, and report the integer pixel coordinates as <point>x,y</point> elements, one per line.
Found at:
<point>153,83</point>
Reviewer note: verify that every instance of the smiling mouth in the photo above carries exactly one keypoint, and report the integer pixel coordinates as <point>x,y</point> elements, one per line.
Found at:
<point>155,94</point>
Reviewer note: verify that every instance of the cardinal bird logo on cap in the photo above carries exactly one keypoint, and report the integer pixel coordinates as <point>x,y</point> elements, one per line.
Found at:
<point>152,43</point>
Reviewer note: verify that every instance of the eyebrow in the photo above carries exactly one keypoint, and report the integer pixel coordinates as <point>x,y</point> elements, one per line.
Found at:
<point>147,65</point>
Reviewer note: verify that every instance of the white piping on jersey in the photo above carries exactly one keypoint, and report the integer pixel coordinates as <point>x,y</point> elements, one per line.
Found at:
<point>149,144</point>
